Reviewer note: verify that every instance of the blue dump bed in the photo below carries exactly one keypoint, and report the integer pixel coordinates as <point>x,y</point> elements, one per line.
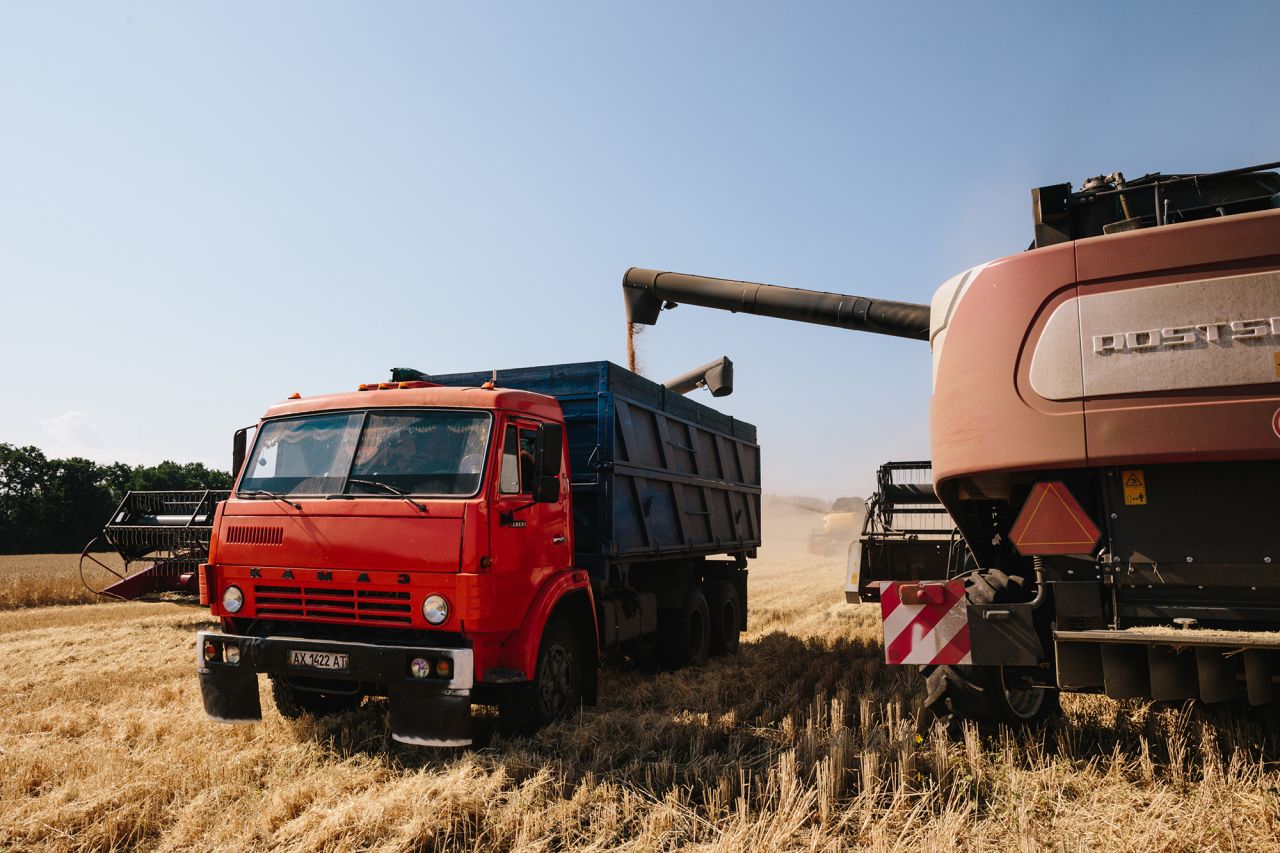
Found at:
<point>654,474</point>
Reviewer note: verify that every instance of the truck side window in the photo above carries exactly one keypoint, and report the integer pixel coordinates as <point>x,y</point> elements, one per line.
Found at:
<point>518,473</point>
<point>509,478</point>
<point>528,444</point>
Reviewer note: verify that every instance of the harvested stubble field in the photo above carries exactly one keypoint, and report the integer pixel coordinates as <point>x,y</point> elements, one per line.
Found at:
<point>803,741</point>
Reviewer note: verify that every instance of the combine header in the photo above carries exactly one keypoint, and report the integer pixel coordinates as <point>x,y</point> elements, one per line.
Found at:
<point>907,534</point>
<point>1105,438</point>
<point>162,537</point>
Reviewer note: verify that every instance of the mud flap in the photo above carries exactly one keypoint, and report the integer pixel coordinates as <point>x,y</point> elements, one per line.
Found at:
<point>1004,635</point>
<point>230,694</point>
<point>425,715</point>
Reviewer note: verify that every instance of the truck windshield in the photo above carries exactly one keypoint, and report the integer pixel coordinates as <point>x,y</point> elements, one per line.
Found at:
<point>416,452</point>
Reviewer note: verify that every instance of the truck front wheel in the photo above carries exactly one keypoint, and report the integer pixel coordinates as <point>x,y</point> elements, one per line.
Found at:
<point>556,690</point>
<point>292,702</point>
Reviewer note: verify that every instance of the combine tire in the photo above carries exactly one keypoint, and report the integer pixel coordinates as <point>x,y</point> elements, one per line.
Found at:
<point>987,694</point>
<point>726,616</point>
<point>556,690</point>
<point>686,632</point>
<point>292,703</point>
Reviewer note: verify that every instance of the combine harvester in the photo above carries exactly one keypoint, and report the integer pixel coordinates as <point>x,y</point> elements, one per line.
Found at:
<point>1106,439</point>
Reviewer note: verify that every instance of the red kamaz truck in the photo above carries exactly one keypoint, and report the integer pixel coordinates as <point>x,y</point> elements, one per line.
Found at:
<point>475,538</point>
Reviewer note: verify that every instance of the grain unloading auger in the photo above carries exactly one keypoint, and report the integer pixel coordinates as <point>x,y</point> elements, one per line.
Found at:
<point>647,292</point>
<point>1105,431</point>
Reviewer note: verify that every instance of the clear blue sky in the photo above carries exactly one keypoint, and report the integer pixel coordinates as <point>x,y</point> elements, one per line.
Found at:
<point>207,206</point>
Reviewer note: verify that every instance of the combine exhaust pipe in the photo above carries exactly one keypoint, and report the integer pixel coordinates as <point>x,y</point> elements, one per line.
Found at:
<point>647,292</point>
<point>716,376</point>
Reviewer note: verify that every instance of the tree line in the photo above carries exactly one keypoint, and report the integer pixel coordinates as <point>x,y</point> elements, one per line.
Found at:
<point>58,505</point>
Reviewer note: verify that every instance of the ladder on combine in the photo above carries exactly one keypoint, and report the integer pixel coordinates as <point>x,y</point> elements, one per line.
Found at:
<point>162,537</point>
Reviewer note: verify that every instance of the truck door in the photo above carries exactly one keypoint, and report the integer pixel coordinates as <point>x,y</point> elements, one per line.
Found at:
<point>528,538</point>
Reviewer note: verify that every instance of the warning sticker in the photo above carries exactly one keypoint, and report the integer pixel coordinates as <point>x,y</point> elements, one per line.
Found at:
<point>1135,487</point>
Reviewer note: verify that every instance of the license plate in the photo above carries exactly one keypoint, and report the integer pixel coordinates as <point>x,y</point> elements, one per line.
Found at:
<point>317,660</point>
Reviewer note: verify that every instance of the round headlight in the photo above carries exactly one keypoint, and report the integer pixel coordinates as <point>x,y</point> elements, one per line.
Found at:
<point>232,599</point>
<point>435,609</point>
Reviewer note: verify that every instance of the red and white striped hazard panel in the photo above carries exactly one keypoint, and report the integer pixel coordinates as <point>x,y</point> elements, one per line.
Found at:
<point>925,623</point>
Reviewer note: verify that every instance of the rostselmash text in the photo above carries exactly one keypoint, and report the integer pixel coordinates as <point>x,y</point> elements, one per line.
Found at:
<point>1222,333</point>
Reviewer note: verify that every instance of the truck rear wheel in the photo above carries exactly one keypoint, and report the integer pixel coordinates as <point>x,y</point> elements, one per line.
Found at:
<point>726,616</point>
<point>556,690</point>
<point>988,694</point>
<point>293,702</point>
<point>686,632</point>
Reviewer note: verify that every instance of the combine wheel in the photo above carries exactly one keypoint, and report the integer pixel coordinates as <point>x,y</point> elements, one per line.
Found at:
<point>292,702</point>
<point>988,694</point>
<point>686,631</point>
<point>726,615</point>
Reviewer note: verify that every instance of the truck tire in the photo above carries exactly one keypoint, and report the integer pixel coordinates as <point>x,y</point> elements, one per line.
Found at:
<point>686,632</point>
<point>987,694</point>
<point>556,690</point>
<point>292,703</point>
<point>726,616</point>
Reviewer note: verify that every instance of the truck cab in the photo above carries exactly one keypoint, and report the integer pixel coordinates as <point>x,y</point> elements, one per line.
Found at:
<point>405,539</point>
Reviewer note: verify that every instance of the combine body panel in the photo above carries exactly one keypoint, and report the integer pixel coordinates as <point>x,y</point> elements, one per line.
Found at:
<point>476,538</point>
<point>1105,429</point>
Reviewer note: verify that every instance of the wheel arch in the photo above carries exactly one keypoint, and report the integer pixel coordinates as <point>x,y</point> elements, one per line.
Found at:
<point>567,593</point>
<point>576,608</point>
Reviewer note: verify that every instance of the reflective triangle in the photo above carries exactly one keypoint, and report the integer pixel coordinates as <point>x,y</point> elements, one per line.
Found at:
<point>1053,522</point>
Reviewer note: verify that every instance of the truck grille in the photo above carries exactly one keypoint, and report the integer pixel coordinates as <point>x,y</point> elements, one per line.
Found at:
<point>238,534</point>
<point>370,606</point>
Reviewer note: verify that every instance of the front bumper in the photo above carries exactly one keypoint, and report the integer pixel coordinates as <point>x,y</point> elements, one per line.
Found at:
<point>424,711</point>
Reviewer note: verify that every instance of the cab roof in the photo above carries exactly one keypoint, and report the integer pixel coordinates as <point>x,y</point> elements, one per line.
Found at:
<point>441,396</point>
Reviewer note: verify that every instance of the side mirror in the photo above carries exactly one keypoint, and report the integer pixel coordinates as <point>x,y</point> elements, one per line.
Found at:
<point>239,447</point>
<point>239,444</point>
<point>547,453</point>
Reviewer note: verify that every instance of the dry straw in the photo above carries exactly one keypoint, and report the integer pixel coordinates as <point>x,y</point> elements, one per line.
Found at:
<point>805,741</point>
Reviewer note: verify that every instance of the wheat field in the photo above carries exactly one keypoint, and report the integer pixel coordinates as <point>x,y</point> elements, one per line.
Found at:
<point>804,741</point>
<point>35,580</point>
